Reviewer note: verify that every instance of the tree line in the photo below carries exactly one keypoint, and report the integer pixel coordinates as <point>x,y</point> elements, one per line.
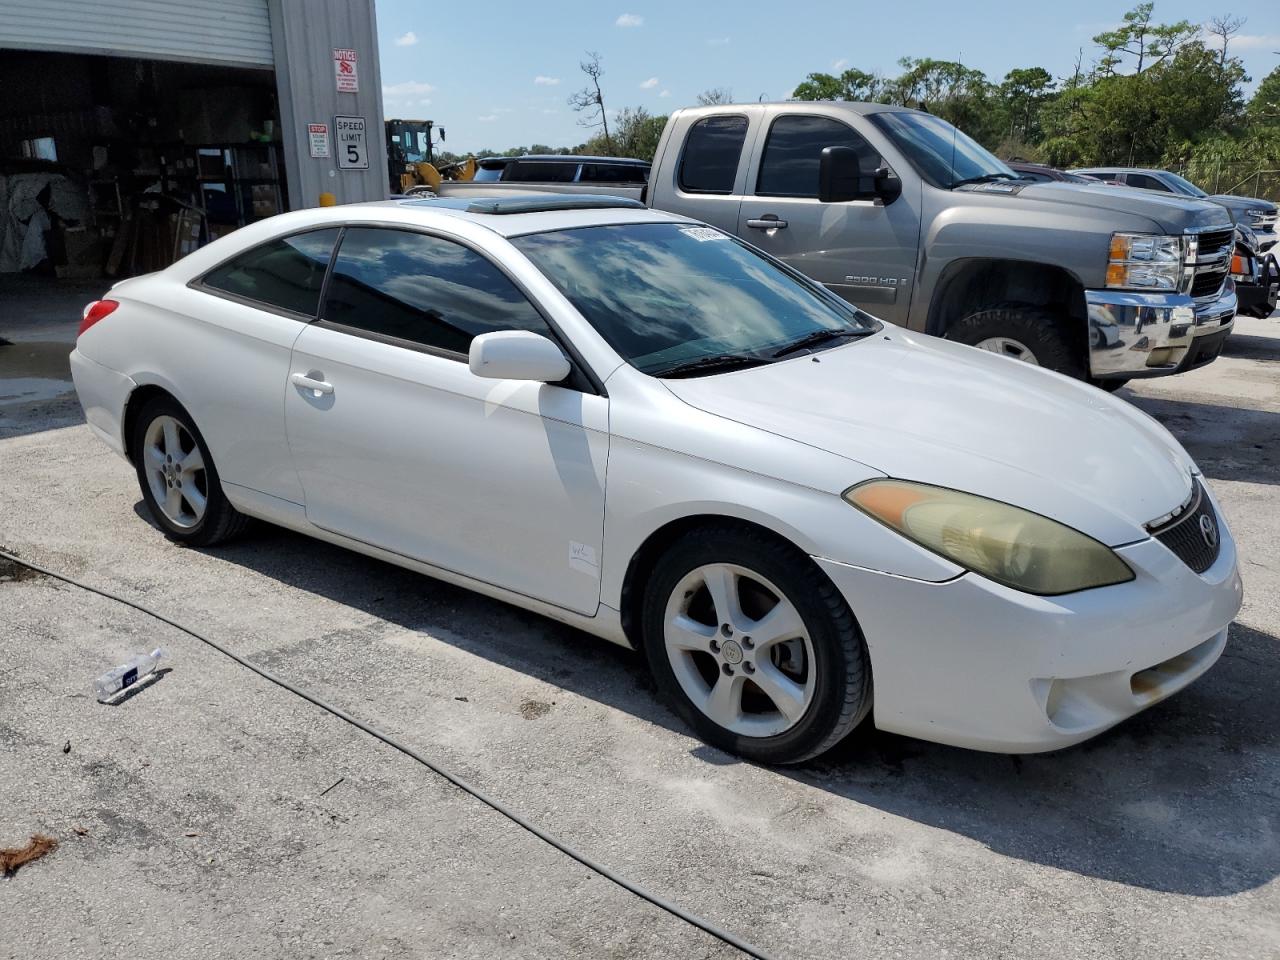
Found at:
<point>1164,94</point>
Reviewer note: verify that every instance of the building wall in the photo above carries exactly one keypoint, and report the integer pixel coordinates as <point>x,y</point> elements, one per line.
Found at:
<point>304,35</point>
<point>193,31</point>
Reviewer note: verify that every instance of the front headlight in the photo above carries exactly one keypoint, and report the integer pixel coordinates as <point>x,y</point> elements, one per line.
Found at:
<point>1007,544</point>
<point>1142,261</point>
<point>1255,216</point>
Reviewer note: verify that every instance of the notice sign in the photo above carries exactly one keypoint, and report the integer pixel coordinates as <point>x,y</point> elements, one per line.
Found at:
<point>344,71</point>
<point>353,146</point>
<point>318,139</point>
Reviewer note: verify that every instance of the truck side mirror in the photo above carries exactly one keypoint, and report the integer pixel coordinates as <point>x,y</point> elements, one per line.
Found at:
<point>840,178</point>
<point>838,175</point>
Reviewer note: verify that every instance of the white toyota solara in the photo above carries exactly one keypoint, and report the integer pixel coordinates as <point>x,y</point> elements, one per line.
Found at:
<point>643,427</point>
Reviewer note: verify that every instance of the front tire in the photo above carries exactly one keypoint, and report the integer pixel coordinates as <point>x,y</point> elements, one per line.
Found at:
<point>1029,334</point>
<point>178,478</point>
<point>754,647</point>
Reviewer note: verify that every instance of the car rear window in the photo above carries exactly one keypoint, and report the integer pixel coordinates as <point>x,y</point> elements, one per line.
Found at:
<point>286,273</point>
<point>613,173</point>
<point>711,153</point>
<point>541,171</point>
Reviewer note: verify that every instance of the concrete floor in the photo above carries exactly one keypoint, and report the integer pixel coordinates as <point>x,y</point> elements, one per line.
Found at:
<point>205,831</point>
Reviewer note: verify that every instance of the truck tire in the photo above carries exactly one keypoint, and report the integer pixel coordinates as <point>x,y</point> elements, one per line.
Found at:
<point>1026,333</point>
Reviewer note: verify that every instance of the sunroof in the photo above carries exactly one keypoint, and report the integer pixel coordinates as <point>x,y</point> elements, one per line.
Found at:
<point>525,203</point>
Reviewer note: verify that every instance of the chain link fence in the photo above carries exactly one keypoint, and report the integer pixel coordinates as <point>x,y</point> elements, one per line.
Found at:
<point>1244,178</point>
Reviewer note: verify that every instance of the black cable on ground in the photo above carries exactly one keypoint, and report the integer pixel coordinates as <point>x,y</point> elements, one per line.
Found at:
<point>675,910</point>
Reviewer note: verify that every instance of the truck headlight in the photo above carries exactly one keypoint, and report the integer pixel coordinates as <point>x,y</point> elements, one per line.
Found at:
<point>1255,216</point>
<point>1143,261</point>
<point>1007,544</point>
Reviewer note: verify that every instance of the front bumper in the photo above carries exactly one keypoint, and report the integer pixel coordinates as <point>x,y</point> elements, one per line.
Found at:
<point>973,664</point>
<point>1135,335</point>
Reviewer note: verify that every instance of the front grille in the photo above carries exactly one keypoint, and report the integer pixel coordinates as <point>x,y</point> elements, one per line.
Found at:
<point>1193,535</point>
<point>1207,283</point>
<point>1265,222</point>
<point>1214,242</point>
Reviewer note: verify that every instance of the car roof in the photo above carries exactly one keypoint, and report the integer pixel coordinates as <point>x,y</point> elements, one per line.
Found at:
<point>858,107</point>
<point>507,214</point>
<point>565,158</point>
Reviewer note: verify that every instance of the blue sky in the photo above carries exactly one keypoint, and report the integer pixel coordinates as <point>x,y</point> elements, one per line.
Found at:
<point>497,74</point>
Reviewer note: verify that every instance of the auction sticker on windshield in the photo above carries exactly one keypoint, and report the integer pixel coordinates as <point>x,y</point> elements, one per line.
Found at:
<point>704,233</point>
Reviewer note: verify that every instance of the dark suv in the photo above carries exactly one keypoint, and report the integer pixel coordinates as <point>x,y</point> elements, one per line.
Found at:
<point>557,168</point>
<point>1042,173</point>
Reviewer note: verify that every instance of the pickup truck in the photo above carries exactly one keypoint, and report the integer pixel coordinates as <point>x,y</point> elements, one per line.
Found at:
<point>905,216</point>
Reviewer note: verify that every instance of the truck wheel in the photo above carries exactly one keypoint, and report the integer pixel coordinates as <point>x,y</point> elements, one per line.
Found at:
<point>1029,334</point>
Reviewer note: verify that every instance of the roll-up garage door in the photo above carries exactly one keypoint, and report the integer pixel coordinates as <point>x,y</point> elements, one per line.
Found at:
<point>232,32</point>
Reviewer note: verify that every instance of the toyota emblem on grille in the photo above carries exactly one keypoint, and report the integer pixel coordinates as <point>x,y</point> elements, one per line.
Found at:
<point>1209,530</point>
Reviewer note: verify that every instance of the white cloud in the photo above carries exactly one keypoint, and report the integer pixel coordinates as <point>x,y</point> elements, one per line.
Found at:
<point>840,64</point>
<point>718,42</point>
<point>665,93</point>
<point>424,102</point>
<point>629,20</point>
<point>407,40</point>
<point>1253,41</point>
<point>488,118</point>
<point>409,88</point>
<point>649,84</point>
<point>542,81</point>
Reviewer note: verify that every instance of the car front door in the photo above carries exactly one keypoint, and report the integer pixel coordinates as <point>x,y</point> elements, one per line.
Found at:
<point>863,250</point>
<point>402,447</point>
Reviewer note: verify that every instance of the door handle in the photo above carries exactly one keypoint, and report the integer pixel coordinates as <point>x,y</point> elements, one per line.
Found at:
<point>318,387</point>
<point>767,222</point>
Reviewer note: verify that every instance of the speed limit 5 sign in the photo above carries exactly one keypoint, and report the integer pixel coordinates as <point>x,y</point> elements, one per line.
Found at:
<point>351,143</point>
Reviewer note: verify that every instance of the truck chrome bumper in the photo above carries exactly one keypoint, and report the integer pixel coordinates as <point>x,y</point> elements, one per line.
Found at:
<point>1149,334</point>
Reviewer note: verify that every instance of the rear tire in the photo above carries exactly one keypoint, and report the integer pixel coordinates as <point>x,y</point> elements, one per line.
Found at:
<point>1026,333</point>
<point>788,693</point>
<point>178,478</point>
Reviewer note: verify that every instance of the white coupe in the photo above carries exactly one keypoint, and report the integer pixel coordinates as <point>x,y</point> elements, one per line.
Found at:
<point>643,427</point>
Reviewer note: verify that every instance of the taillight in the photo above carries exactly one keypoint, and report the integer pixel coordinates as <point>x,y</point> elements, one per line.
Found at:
<point>95,312</point>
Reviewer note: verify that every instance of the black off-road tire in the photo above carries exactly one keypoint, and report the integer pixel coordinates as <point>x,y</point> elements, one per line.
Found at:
<point>1041,331</point>
<point>221,521</point>
<point>842,668</point>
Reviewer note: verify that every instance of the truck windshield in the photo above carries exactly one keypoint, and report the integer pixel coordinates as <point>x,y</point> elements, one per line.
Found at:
<point>678,299</point>
<point>1183,186</point>
<point>940,153</point>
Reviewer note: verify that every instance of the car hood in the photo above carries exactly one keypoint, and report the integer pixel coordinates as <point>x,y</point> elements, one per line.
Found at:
<point>920,408</point>
<point>1172,213</point>
<point>1238,205</point>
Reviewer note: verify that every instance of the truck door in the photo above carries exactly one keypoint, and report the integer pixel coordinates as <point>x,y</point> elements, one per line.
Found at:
<point>709,176</point>
<point>862,250</point>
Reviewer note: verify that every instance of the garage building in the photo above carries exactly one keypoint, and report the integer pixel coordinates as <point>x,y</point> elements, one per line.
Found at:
<point>133,131</point>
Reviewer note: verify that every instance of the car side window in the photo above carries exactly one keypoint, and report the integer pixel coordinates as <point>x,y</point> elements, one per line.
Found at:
<point>422,289</point>
<point>1144,182</point>
<point>286,273</point>
<point>793,151</point>
<point>541,171</point>
<point>712,150</point>
<point>612,173</point>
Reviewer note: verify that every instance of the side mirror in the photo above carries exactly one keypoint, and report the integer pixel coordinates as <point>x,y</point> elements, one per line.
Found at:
<point>840,178</point>
<point>517,355</point>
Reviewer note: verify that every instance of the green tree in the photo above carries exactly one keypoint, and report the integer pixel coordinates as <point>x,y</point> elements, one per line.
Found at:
<point>1264,107</point>
<point>852,84</point>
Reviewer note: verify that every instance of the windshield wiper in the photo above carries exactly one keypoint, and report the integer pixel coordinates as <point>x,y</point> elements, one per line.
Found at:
<point>815,338</point>
<point>985,178</point>
<point>717,361</point>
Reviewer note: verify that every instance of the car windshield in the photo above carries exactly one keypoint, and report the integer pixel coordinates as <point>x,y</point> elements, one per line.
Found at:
<point>1183,186</point>
<point>667,296</point>
<point>941,154</point>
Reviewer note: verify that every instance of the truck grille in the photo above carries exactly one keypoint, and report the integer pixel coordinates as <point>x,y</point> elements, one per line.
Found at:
<point>1193,535</point>
<point>1207,283</point>
<point>1214,242</point>
<point>1264,222</point>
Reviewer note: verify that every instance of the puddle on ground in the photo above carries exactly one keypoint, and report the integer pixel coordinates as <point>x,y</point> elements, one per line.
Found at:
<point>39,370</point>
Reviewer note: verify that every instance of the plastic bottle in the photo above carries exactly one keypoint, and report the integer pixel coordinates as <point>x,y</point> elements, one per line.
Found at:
<point>127,674</point>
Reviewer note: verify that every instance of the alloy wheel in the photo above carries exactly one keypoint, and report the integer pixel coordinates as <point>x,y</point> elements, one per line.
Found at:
<point>175,471</point>
<point>740,650</point>
<point>1008,347</point>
